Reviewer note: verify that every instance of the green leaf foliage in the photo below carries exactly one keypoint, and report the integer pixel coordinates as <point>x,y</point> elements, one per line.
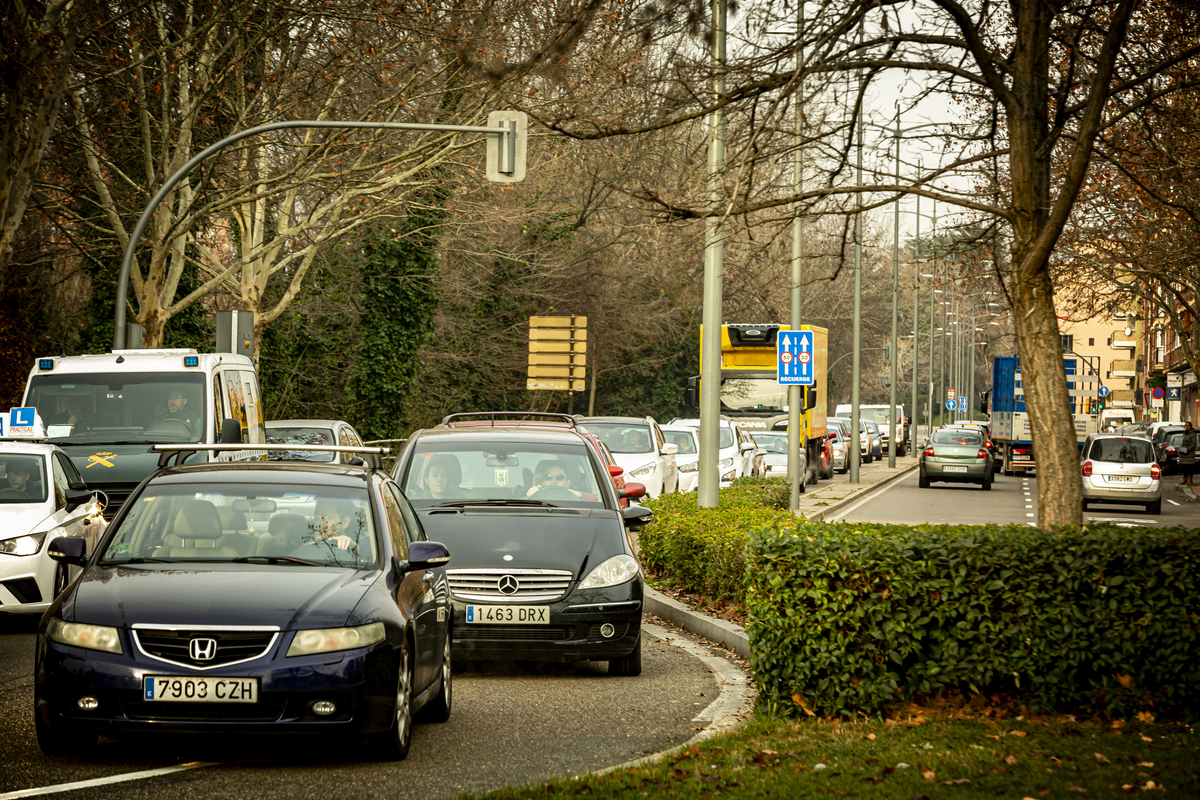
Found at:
<point>853,618</point>
<point>703,550</point>
<point>400,295</point>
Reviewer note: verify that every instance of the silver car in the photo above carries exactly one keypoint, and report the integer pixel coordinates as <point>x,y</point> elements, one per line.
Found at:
<point>1120,469</point>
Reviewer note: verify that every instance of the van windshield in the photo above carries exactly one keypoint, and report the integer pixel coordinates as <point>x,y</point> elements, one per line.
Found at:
<point>113,408</point>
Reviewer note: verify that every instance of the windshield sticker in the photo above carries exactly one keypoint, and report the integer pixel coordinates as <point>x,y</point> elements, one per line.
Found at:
<point>502,477</point>
<point>103,459</point>
<point>58,431</point>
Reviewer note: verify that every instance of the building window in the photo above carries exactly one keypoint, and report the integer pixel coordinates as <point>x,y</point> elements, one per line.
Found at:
<point>1091,342</point>
<point>1068,343</point>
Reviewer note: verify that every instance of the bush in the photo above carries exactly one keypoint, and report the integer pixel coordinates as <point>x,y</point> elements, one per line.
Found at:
<point>703,550</point>
<point>845,619</point>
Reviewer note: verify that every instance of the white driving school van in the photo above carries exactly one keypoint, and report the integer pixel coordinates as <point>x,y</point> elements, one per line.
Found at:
<point>107,411</point>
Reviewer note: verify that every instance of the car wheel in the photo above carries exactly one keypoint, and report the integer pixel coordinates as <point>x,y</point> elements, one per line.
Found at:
<point>392,745</point>
<point>923,481</point>
<point>630,665</point>
<point>438,709</point>
<point>1155,507</point>
<point>54,743</point>
<point>987,484</point>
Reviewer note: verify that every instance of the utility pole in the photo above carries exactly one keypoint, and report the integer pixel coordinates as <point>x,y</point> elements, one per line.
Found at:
<point>708,491</point>
<point>797,434</point>
<point>893,422</point>
<point>856,361</point>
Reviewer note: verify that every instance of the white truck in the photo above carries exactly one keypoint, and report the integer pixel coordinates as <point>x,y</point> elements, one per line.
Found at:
<point>107,411</point>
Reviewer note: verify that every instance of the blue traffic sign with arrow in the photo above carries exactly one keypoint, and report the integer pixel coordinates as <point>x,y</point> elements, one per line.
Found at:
<point>794,358</point>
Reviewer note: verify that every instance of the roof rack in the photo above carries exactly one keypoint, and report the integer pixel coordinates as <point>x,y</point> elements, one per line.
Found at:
<point>182,451</point>
<point>544,416</point>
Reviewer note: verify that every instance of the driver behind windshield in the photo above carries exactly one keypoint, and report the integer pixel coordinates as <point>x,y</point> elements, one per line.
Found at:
<point>174,408</point>
<point>551,474</point>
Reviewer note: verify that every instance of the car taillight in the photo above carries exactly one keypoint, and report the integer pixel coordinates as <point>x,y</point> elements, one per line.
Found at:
<point>1087,468</point>
<point>982,454</point>
<point>1155,472</point>
<point>989,445</point>
<point>1171,451</point>
<point>928,451</point>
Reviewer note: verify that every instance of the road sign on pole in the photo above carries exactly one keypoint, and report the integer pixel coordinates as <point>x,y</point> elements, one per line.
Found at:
<point>794,358</point>
<point>950,404</point>
<point>557,351</point>
<point>1103,391</point>
<point>950,393</point>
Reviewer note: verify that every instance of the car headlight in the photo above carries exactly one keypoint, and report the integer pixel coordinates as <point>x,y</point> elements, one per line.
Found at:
<point>692,467</point>
<point>23,545</point>
<point>331,640</point>
<point>726,462</point>
<point>615,570</point>
<point>91,637</point>
<point>642,472</point>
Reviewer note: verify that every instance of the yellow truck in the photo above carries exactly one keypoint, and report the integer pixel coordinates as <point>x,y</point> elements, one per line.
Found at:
<point>751,393</point>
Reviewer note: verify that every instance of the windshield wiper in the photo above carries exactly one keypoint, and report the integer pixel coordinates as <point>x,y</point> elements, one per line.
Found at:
<point>275,560</point>
<point>110,561</point>
<point>499,501</point>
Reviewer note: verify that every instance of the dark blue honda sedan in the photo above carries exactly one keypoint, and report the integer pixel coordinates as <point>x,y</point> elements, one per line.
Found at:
<point>248,597</point>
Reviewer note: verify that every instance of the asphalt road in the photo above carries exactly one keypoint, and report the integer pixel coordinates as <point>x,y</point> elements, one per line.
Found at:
<point>510,725</point>
<point>1012,500</point>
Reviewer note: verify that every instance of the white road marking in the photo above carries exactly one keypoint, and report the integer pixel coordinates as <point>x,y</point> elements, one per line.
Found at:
<point>1029,515</point>
<point>722,715</point>
<point>128,776</point>
<point>1172,502</point>
<point>870,496</point>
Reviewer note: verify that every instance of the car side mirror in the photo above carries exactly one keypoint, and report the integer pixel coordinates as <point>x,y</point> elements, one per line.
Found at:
<point>77,497</point>
<point>746,447</point>
<point>669,449</point>
<point>231,431</point>
<point>68,550</point>
<point>427,555</point>
<point>636,516</point>
<point>615,471</point>
<point>633,491</point>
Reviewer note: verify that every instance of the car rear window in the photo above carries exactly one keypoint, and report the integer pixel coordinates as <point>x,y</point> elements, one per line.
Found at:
<point>1122,450</point>
<point>320,436</point>
<point>957,437</point>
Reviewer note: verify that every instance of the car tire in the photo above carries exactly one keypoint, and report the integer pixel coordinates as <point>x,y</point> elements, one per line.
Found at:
<point>987,484</point>
<point>1155,507</point>
<point>53,743</point>
<point>438,709</point>
<point>629,666</point>
<point>393,744</point>
<point>923,481</point>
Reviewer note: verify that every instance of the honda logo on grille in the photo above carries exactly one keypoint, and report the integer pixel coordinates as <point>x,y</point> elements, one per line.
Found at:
<point>202,649</point>
<point>508,585</point>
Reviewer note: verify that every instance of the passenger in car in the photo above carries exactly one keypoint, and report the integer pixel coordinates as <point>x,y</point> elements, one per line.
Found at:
<point>331,522</point>
<point>443,477</point>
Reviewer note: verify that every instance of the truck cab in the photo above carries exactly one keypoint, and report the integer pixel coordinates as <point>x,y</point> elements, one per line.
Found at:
<point>107,411</point>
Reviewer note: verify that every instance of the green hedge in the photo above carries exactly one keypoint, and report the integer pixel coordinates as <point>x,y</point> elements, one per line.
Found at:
<point>846,619</point>
<point>703,550</point>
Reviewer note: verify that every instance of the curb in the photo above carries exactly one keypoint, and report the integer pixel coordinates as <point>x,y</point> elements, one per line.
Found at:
<point>821,513</point>
<point>711,628</point>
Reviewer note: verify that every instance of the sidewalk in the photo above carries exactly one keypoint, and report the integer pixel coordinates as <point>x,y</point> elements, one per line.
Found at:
<point>826,500</point>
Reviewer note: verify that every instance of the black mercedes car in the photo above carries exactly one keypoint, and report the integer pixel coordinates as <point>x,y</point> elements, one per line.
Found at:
<point>250,597</point>
<point>543,566</point>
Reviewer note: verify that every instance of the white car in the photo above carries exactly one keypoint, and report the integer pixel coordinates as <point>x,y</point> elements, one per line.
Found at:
<point>687,458</point>
<point>736,450</point>
<point>775,461</point>
<point>42,497</point>
<point>638,445</point>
